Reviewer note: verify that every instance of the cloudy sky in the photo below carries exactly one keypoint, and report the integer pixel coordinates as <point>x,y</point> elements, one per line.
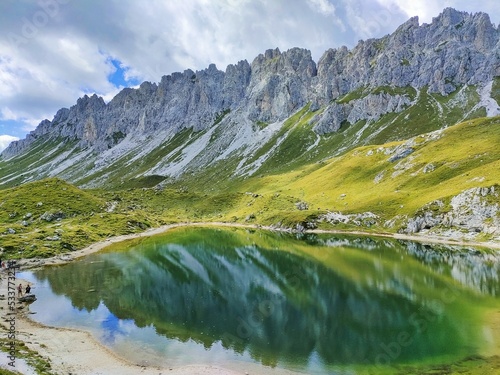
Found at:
<point>54,51</point>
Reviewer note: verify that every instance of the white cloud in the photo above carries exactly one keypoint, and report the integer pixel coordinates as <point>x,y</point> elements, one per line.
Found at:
<point>5,140</point>
<point>424,9</point>
<point>323,6</point>
<point>51,74</point>
<point>70,54</point>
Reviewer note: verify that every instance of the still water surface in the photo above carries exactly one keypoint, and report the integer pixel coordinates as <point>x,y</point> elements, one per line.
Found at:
<point>315,304</point>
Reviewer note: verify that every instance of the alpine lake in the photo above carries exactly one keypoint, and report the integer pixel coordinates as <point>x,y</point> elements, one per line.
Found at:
<point>268,302</point>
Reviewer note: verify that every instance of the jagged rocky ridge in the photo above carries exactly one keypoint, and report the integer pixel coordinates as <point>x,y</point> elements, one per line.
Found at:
<point>456,49</point>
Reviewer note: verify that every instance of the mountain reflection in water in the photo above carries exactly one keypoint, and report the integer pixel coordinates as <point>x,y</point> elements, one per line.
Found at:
<point>285,300</point>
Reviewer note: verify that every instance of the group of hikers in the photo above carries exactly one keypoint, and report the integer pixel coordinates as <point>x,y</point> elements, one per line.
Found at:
<point>7,264</point>
<point>27,290</point>
<point>20,290</point>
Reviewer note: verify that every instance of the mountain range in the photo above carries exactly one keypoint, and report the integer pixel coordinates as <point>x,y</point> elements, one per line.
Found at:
<point>399,133</point>
<point>418,79</point>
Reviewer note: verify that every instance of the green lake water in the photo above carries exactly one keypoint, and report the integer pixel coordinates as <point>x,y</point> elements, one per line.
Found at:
<point>315,304</point>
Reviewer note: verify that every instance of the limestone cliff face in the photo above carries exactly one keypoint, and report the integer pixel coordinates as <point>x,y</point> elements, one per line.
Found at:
<point>369,108</point>
<point>457,48</point>
<point>468,214</point>
<point>280,84</point>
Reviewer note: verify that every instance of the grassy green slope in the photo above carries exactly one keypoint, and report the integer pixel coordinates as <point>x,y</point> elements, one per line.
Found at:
<point>21,168</point>
<point>442,164</point>
<point>461,157</point>
<point>50,217</point>
<point>346,171</point>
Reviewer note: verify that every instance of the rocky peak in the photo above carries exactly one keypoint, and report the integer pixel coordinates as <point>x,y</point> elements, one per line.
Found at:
<point>280,83</point>
<point>236,81</point>
<point>462,27</point>
<point>449,17</point>
<point>456,49</point>
<point>412,23</point>
<point>299,61</point>
<point>92,103</point>
<point>147,88</point>
<point>405,34</point>
<point>266,61</point>
<point>61,115</point>
<point>272,53</point>
<point>295,60</point>
<point>486,36</point>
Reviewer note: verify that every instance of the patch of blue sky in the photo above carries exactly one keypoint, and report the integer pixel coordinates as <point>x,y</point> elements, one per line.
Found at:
<point>14,128</point>
<point>119,77</point>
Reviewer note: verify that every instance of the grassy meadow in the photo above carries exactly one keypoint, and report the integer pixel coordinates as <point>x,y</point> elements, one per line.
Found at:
<point>393,181</point>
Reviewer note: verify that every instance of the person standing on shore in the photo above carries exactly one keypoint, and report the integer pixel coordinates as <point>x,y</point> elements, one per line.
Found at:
<point>28,289</point>
<point>20,290</point>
